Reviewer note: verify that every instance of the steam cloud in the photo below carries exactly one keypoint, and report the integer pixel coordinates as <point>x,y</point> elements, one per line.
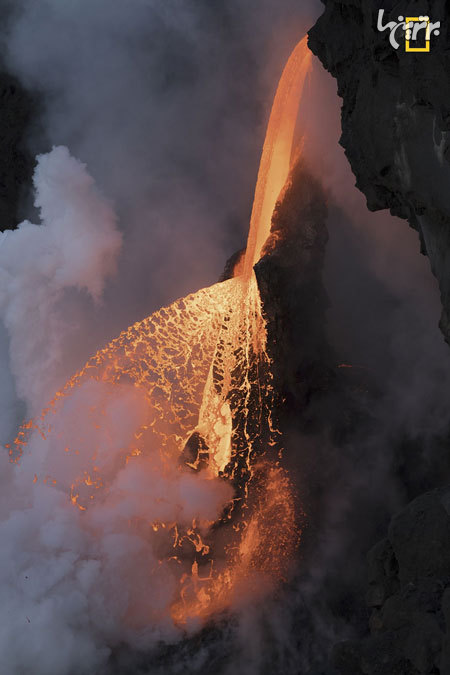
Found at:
<point>75,584</point>
<point>76,246</point>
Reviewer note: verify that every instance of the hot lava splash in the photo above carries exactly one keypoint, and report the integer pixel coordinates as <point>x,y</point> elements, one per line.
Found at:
<point>196,378</point>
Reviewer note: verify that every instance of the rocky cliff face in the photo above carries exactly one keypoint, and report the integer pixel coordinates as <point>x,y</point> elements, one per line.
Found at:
<point>395,132</point>
<point>291,286</point>
<point>16,163</point>
<point>408,596</point>
<point>19,114</point>
<point>395,118</point>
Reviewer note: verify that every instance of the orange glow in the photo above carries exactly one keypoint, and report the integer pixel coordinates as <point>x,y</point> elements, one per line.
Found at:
<point>198,377</point>
<point>277,151</point>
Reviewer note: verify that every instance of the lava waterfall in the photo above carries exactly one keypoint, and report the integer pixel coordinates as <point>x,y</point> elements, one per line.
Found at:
<point>193,383</point>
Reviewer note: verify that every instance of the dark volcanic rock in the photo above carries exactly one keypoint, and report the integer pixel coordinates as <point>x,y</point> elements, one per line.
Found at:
<point>315,402</point>
<point>291,286</point>
<point>395,118</point>
<point>382,574</point>
<point>16,164</point>
<point>19,117</point>
<point>395,132</point>
<point>424,520</point>
<point>409,595</point>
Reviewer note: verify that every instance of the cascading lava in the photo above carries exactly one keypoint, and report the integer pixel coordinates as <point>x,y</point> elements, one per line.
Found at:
<point>199,373</point>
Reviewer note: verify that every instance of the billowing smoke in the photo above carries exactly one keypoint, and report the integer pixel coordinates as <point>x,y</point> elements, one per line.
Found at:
<point>75,246</point>
<point>75,584</point>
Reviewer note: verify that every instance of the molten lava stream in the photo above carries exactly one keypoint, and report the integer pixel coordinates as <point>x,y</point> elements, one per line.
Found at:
<point>195,382</point>
<point>276,156</point>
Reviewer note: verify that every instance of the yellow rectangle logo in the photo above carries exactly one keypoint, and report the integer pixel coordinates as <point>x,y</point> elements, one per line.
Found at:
<point>410,29</point>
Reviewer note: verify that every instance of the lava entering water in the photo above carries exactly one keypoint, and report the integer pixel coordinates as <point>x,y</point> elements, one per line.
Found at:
<point>199,375</point>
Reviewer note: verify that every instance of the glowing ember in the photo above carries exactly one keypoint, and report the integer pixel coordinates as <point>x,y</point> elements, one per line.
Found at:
<point>197,380</point>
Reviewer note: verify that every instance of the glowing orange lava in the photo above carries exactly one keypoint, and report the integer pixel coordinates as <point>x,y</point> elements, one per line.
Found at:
<point>276,156</point>
<point>198,377</point>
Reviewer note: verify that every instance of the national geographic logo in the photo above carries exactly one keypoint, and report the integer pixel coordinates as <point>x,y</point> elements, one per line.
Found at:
<point>418,31</point>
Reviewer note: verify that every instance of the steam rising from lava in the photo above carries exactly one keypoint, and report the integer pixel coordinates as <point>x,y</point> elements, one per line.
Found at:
<point>76,246</point>
<point>165,448</point>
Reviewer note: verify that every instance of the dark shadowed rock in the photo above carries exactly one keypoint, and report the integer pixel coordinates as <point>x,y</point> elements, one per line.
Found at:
<point>409,595</point>
<point>380,655</point>
<point>291,286</point>
<point>382,574</point>
<point>420,537</point>
<point>19,114</point>
<point>395,133</point>
<point>16,163</point>
<point>395,118</point>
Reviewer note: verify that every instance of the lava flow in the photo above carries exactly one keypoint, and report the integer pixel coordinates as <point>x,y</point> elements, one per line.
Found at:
<point>197,376</point>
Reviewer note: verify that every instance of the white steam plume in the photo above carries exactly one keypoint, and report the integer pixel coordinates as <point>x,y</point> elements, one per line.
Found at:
<point>75,584</point>
<point>76,246</point>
